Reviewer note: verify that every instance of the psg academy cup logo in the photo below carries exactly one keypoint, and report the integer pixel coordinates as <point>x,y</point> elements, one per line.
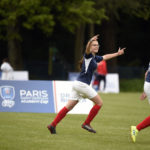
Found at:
<point>7,94</point>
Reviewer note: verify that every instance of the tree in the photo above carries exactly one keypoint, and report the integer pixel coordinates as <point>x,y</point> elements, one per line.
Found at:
<point>23,13</point>
<point>135,8</point>
<point>18,14</point>
<point>74,15</point>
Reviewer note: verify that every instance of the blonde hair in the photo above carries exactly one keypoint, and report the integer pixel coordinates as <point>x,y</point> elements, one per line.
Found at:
<point>80,63</point>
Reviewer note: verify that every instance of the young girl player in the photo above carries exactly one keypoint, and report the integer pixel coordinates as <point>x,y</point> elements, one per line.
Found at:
<point>81,87</point>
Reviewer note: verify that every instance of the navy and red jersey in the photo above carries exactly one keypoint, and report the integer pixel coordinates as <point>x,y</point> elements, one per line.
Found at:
<point>89,65</point>
<point>148,74</point>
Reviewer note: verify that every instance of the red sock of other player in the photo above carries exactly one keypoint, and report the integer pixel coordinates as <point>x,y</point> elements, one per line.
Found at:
<point>92,114</point>
<point>62,113</point>
<point>145,123</point>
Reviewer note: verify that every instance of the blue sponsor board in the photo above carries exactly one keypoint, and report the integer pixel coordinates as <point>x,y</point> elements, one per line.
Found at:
<point>26,96</point>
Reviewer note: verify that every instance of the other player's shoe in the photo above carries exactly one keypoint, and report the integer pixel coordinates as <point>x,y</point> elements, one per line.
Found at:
<point>51,129</point>
<point>134,133</point>
<point>88,127</point>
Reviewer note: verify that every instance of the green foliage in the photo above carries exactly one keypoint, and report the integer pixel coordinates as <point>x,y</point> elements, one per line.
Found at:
<point>138,8</point>
<point>44,14</point>
<point>74,13</point>
<point>27,131</point>
<point>143,9</point>
<point>26,13</point>
<point>38,14</point>
<point>70,14</point>
<point>131,85</point>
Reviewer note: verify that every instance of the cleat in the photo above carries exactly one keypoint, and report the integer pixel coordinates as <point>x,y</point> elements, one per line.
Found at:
<point>88,127</point>
<point>51,129</point>
<point>134,133</point>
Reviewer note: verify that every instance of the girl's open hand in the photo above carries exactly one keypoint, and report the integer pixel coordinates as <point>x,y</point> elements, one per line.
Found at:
<point>94,37</point>
<point>121,51</point>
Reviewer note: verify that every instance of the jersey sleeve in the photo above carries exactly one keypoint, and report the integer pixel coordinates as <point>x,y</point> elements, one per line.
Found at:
<point>98,58</point>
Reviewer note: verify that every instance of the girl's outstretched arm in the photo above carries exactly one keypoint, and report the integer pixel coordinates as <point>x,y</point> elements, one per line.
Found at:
<point>113,55</point>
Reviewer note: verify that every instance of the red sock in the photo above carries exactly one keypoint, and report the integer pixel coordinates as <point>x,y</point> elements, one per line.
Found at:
<point>145,123</point>
<point>92,114</point>
<point>62,113</point>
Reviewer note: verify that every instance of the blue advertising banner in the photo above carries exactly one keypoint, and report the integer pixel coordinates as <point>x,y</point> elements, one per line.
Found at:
<point>26,96</point>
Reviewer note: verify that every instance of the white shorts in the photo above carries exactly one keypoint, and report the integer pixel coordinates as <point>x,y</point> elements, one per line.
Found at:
<point>147,90</point>
<point>82,90</point>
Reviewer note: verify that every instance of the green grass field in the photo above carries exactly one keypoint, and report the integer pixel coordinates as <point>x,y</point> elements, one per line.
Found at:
<point>27,131</point>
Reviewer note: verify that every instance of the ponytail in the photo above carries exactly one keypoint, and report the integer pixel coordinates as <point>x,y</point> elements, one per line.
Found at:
<point>80,63</point>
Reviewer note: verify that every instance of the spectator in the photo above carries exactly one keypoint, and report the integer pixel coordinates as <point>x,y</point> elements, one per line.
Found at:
<point>100,75</point>
<point>7,70</point>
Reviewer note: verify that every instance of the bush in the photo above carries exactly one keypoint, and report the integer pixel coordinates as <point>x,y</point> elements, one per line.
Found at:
<point>131,85</point>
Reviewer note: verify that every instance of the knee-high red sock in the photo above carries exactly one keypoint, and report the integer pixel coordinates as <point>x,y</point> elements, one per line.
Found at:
<point>92,114</point>
<point>145,123</point>
<point>62,113</point>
